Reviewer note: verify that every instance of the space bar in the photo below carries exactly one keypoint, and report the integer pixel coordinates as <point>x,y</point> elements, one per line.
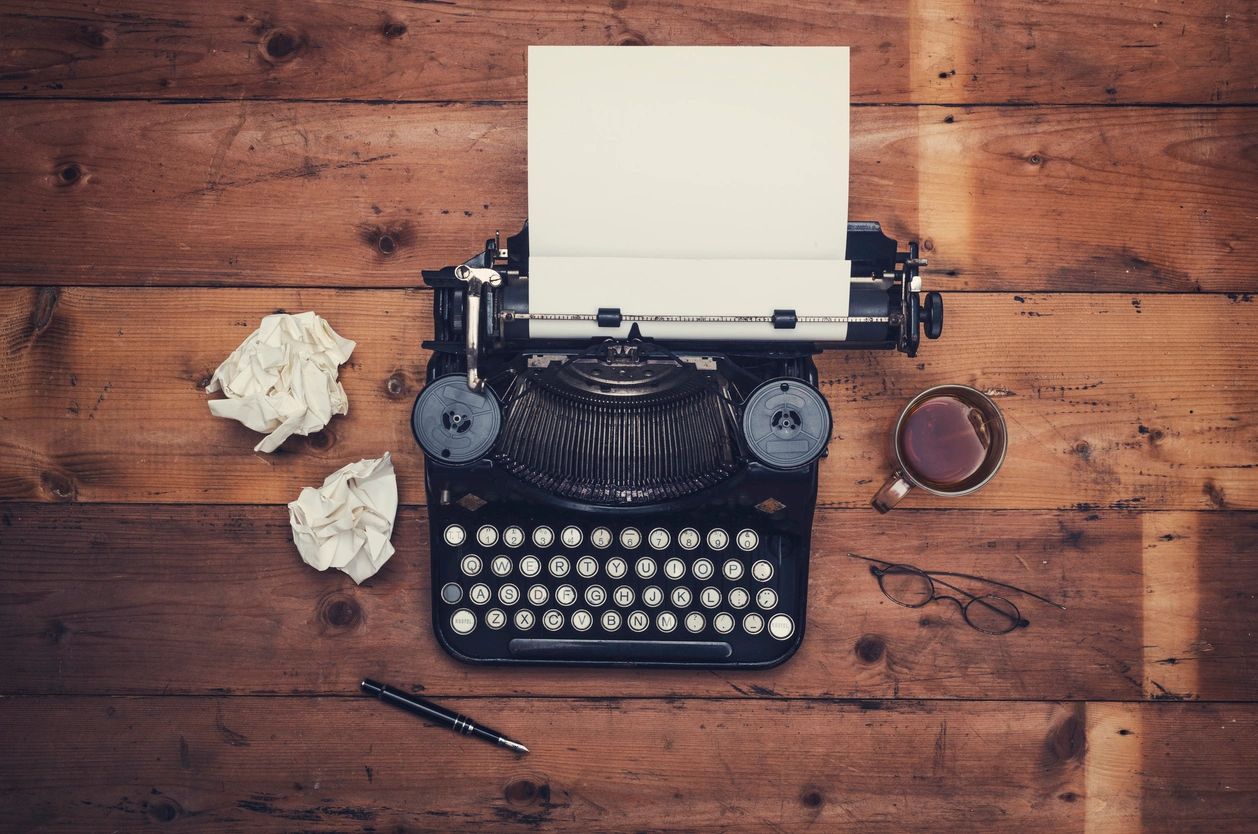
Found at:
<point>622,651</point>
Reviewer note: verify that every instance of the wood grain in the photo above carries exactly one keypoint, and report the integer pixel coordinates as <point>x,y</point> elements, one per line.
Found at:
<point>220,603</point>
<point>1121,401</point>
<point>280,764</point>
<point>902,51</point>
<point>1018,199</point>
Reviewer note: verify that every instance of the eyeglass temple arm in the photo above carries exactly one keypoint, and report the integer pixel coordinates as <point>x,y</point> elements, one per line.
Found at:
<point>978,579</point>
<point>933,573</point>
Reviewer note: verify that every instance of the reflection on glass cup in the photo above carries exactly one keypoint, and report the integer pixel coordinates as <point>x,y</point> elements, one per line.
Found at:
<point>949,440</point>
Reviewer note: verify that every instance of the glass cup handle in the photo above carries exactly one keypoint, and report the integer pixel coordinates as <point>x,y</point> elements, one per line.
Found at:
<point>892,491</point>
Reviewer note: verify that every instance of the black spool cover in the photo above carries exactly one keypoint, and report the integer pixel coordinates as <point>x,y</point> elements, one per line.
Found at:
<point>786,423</point>
<point>454,424</point>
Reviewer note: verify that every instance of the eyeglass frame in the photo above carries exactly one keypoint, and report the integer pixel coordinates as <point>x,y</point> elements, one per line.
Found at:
<point>1018,621</point>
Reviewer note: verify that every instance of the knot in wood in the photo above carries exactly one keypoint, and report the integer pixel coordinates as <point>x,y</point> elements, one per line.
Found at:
<point>340,611</point>
<point>279,46</point>
<point>869,648</point>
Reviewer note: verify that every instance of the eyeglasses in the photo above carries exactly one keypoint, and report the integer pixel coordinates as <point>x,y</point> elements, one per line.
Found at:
<point>913,588</point>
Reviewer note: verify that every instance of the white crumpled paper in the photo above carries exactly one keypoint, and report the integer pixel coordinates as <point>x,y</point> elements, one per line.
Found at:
<point>347,522</point>
<point>282,379</point>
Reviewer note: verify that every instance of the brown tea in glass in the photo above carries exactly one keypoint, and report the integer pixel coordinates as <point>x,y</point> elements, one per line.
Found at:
<point>949,440</point>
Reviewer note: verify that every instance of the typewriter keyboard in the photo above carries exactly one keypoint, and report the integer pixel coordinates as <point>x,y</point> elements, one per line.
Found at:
<point>719,595</point>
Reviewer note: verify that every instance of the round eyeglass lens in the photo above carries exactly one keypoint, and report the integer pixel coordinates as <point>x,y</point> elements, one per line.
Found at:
<point>992,614</point>
<point>907,586</point>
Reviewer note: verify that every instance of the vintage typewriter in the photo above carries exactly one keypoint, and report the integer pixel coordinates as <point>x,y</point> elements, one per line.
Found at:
<point>629,500</point>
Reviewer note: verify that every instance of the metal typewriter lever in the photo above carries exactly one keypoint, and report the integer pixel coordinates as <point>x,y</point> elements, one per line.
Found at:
<point>476,278</point>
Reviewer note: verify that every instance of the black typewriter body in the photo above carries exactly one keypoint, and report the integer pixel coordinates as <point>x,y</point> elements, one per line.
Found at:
<point>624,501</point>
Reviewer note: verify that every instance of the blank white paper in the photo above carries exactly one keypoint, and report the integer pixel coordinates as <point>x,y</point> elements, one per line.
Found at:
<point>688,180</point>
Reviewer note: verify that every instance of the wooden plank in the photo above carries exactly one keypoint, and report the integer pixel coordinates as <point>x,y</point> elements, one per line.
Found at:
<point>1016,199</point>
<point>1128,402</point>
<point>279,764</point>
<point>117,599</point>
<point>903,51</point>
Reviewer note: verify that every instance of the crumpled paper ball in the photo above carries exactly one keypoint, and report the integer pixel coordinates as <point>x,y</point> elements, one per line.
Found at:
<point>283,378</point>
<point>347,522</point>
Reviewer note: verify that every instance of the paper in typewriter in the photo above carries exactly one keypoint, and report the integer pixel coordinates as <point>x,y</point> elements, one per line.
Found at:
<point>688,181</point>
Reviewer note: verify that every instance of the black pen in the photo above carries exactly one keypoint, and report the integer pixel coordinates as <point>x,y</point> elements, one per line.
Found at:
<point>438,715</point>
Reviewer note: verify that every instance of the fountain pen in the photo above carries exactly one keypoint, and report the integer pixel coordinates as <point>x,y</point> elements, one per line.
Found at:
<point>438,715</point>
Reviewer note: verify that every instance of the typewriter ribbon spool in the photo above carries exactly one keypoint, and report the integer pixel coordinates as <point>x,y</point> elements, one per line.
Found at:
<point>786,423</point>
<point>453,423</point>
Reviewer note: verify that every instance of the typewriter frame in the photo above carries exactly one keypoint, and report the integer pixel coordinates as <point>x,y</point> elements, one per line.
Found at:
<point>884,288</point>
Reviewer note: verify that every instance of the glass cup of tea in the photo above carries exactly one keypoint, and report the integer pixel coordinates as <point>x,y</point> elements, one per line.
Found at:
<point>949,440</point>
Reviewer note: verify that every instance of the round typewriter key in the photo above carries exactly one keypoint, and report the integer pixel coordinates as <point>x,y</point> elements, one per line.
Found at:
<point>601,537</point>
<point>501,566</point>
<point>733,570</point>
<point>674,568</point>
<point>509,594</point>
<point>565,595</point>
<point>652,596</point>
<point>694,622</point>
<point>480,593</point>
<point>645,567</point>
<point>571,536</point>
<point>666,621</point>
<point>553,620</point>
<point>455,535</point>
<point>538,594</point>
<point>718,539</point>
<point>470,565</point>
<point>543,537</point>
<point>762,571</point>
<point>688,538</point>
<point>617,567</point>
<point>723,622</point>
<point>710,597</point>
<point>451,592</point>
<point>639,621</point>
<point>495,618</point>
<point>702,569</point>
<point>530,566</point>
<point>611,620</point>
<point>753,624</point>
<point>767,598</point>
<point>623,596</point>
<point>513,536</point>
<point>487,535</point>
<point>463,621</point>
<point>559,567</point>
<point>630,538</point>
<point>581,620</point>
<point>781,626</point>
<point>595,596</point>
<point>659,538</point>
<point>738,598</point>
<point>681,597</point>
<point>524,619</point>
<point>587,566</point>
<point>748,539</point>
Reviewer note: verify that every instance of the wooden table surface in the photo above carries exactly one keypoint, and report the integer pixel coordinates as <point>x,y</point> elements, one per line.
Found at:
<point>1084,178</point>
